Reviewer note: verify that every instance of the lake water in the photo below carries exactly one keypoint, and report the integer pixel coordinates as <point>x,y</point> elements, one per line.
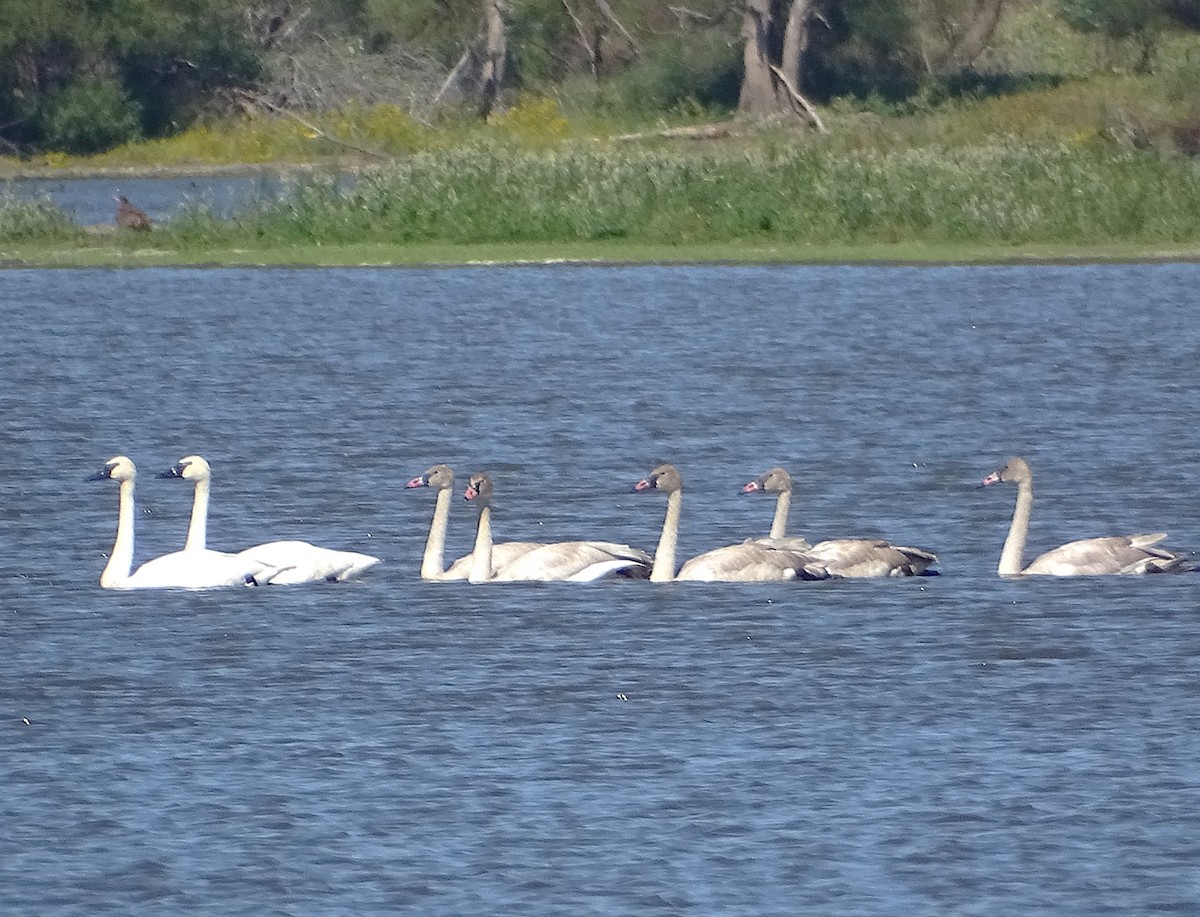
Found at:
<point>90,201</point>
<point>952,745</point>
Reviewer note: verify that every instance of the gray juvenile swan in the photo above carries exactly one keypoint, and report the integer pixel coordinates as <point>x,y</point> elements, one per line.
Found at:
<point>297,561</point>
<point>739,563</point>
<point>1118,554</point>
<point>196,569</point>
<point>563,562</point>
<point>441,479</point>
<point>844,557</point>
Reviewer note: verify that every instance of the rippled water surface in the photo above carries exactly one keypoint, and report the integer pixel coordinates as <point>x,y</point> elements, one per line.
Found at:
<point>952,745</point>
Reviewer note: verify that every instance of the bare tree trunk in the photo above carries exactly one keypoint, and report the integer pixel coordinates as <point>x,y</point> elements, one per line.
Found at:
<point>758,95</point>
<point>773,68</point>
<point>796,39</point>
<point>978,34</point>
<point>495,55</point>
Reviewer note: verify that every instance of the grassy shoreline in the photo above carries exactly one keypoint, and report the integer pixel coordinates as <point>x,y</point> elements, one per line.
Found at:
<point>997,203</point>
<point>598,253</point>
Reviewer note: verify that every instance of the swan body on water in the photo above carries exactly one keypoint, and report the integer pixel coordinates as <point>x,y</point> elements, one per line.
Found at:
<point>562,562</point>
<point>749,562</point>
<point>195,569</point>
<point>1117,554</point>
<point>842,557</point>
<point>295,561</point>
<point>440,478</point>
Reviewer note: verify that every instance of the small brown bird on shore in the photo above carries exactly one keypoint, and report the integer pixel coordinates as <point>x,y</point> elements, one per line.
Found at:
<point>130,217</point>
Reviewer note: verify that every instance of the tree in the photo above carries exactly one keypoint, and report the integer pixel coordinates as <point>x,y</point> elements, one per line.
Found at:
<point>1140,21</point>
<point>954,33</point>
<point>774,57</point>
<point>495,55</point>
<point>82,76</point>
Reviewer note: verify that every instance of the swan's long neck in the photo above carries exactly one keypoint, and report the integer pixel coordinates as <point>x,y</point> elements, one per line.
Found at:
<point>1014,544</point>
<point>783,506</point>
<point>198,528</point>
<point>481,559</point>
<point>664,556</point>
<point>435,546</point>
<point>120,561</point>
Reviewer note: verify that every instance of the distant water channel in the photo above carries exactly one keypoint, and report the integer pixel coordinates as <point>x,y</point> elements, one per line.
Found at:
<point>952,745</point>
<point>90,201</point>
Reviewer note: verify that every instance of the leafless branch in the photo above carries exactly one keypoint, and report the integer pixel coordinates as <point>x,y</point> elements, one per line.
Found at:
<point>802,104</point>
<point>604,8</point>
<point>589,47</point>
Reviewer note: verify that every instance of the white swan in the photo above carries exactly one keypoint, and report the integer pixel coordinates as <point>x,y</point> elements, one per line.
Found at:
<point>564,562</point>
<point>739,563</point>
<point>843,557</point>
<point>441,479</point>
<point>1118,554</point>
<point>297,561</point>
<point>196,569</point>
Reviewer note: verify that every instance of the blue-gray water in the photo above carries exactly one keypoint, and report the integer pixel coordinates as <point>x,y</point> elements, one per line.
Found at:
<point>954,745</point>
<point>89,201</point>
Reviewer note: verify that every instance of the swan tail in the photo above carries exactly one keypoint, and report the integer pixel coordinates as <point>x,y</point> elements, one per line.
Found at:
<point>813,572</point>
<point>1146,541</point>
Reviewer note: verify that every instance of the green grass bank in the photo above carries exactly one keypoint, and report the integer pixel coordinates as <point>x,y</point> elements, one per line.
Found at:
<point>771,202</point>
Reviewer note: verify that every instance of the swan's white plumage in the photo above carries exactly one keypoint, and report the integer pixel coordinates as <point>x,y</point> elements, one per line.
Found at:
<point>195,569</point>
<point>294,562</point>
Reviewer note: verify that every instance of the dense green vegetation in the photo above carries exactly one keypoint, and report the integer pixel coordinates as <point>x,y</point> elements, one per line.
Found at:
<point>1073,133</point>
<point>1003,196</point>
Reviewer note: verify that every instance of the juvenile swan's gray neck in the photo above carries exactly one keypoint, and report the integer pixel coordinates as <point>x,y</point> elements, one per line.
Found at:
<point>664,556</point>
<point>783,506</point>
<point>435,546</point>
<point>1018,531</point>
<point>481,559</point>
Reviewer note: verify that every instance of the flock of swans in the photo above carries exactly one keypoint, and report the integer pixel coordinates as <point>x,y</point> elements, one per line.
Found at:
<point>775,557</point>
<point>199,567</point>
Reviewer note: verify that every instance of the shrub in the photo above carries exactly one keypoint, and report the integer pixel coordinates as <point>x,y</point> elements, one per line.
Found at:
<point>91,114</point>
<point>33,219</point>
<point>532,123</point>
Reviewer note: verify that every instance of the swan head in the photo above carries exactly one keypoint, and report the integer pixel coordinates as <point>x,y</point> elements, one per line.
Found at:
<point>665,478</point>
<point>479,489</point>
<point>190,468</point>
<point>118,468</point>
<point>775,481</point>
<point>439,477</point>
<point>1015,469</point>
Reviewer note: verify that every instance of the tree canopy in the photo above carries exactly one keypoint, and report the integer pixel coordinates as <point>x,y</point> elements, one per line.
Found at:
<point>85,75</point>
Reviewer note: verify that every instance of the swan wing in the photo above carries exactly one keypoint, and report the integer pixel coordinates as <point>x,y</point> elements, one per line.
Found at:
<point>300,562</point>
<point>195,569</point>
<point>869,557</point>
<point>751,563</point>
<point>574,561</point>
<point>1116,554</point>
<point>503,554</point>
<point>786,543</point>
